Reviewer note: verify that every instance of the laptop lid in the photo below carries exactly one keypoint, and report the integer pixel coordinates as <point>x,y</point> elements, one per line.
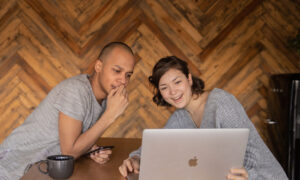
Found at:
<point>191,153</point>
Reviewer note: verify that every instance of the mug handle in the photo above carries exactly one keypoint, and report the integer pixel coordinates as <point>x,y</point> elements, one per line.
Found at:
<point>39,166</point>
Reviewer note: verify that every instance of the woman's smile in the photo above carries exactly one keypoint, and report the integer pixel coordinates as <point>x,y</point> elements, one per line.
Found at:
<point>177,99</point>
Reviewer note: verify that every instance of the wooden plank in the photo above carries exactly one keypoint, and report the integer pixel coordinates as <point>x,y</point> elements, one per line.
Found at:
<point>181,20</point>
<point>127,11</point>
<point>8,12</point>
<point>41,31</point>
<point>246,78</point>
<point>61,28</point>
<point>50,46</point>
<point>172,30</point>
<point>278,47</point>
<point>226,31</point>
<point>239,64</point>
<point>45,42</point>
<point>7,78</point>
<point>9,120</point>
<point>172,48</point>
<point>7,97</point>
<point>39,63</point>
<point>110,10</point>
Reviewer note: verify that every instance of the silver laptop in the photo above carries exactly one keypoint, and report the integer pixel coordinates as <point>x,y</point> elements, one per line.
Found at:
<point>191,153</point>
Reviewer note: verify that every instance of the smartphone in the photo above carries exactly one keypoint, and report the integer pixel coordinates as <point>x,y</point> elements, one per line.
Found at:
<point>98,149</point>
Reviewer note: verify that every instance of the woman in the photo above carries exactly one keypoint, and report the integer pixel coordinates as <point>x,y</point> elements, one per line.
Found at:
<point>197,108</point>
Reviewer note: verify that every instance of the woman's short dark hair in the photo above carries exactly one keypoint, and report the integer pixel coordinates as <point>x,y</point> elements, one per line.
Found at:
<point>161,67</point>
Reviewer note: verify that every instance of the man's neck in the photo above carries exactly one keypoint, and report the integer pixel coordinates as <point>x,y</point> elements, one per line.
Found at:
<point>98,92</point>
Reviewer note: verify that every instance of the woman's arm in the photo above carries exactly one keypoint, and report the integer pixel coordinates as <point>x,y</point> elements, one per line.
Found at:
<point>259,161</point>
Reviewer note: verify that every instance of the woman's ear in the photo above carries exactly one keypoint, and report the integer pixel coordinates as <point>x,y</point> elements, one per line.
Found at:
<point>190,78</point>
<point>98,65</point>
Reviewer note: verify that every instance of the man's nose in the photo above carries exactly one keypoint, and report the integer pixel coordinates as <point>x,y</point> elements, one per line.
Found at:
<point>123,80</point>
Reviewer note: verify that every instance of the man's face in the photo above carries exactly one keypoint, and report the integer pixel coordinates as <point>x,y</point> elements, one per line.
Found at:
<point>116,70</point>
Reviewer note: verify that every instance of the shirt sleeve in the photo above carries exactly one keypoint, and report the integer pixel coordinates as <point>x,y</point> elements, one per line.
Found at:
<point>259,161</point>
<point>72,100</point>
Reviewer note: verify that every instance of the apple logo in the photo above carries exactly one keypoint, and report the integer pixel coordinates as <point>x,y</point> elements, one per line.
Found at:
<point>193,162</point>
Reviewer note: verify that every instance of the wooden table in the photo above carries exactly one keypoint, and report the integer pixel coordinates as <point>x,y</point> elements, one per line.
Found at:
<point>85,168</point>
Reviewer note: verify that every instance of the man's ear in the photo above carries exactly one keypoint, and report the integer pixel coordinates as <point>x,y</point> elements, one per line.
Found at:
<point>98,65</point>
<point>190,78</point>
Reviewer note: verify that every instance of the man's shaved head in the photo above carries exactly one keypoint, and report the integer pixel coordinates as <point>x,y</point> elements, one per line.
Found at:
<point>113,68</point>
<point>107,49</point>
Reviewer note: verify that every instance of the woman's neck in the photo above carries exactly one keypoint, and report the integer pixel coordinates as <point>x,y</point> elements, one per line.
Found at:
<point>195,103</point>
<point>196,107</point>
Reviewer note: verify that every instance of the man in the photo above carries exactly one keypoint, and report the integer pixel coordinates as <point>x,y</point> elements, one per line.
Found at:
<point>73,115</point>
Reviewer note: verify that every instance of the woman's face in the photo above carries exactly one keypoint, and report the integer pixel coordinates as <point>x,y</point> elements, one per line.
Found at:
<point>175,88</point>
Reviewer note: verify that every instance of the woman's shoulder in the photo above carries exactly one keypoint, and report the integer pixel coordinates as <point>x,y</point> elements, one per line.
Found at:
<point>220,94</point>
<point>180,119</point>
<point>221,97</point>
<point>179,113</point>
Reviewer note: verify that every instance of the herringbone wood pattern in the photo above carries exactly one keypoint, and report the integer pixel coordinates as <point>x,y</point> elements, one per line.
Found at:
<point>231,44</point>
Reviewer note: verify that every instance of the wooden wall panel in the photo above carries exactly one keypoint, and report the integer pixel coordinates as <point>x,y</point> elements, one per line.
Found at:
<point>231,44</point>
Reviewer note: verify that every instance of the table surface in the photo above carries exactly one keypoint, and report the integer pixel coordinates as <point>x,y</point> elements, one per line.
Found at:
<point>85,168</point>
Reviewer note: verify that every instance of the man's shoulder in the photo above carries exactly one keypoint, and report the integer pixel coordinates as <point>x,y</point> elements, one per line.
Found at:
<point>81,78</point>
<point>75,81</point>
<point>78,83</point>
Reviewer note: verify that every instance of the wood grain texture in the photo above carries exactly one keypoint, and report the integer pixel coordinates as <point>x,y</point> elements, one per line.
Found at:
<point>231,44</point>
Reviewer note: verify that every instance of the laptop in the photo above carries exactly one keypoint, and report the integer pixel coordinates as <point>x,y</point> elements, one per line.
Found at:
<point>191,153</point>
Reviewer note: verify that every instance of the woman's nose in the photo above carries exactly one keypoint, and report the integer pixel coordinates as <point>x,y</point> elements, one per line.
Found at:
<point>172,91</point>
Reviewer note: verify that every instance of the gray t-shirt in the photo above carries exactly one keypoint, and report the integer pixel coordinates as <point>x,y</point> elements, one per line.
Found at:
<point>38,136</point>
<point>222,110</point>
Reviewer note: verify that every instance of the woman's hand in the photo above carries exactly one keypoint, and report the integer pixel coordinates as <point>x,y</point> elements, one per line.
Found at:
<point>238,174</point>
<point>132,164</point>
<point>101,156</point>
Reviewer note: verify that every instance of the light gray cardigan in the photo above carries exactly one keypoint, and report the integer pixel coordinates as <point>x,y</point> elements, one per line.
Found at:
<point>222,110</point>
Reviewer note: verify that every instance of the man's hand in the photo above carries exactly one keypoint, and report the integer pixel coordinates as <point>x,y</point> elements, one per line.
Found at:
<point>117,102</point>
<point>132,164</point>
<point>101,156</point>
<point>238,174</point>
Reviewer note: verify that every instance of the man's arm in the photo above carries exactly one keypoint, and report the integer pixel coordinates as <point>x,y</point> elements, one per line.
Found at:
<point>73,141</point>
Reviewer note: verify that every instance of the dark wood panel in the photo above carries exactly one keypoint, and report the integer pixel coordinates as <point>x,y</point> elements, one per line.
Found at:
<point>231,44</point>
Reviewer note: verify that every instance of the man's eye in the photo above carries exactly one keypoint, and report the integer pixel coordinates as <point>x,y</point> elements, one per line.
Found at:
<point>177,82</point>
<point>117,71</point>
<point>128,76</point>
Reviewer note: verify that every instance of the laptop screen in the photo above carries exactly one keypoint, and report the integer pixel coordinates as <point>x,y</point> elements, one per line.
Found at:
<point>191,153</point>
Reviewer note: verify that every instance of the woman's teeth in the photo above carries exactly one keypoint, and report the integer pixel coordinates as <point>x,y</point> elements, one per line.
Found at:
<point>177,98</point>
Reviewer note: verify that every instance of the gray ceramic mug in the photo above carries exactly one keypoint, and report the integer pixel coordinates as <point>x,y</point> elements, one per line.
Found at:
<point>58,166</point>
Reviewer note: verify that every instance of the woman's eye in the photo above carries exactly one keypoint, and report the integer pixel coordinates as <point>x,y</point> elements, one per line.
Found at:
<point>163,88</point>
<point>177,82</point>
